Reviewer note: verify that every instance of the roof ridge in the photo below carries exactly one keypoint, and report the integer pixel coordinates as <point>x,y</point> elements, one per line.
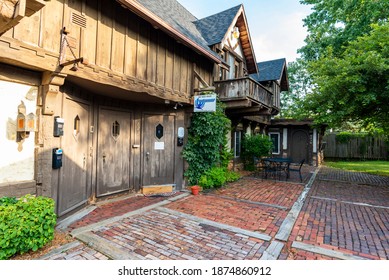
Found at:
<point>221,12</point>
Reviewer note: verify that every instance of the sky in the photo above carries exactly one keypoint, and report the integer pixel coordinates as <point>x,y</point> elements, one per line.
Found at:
<point>276,26</point>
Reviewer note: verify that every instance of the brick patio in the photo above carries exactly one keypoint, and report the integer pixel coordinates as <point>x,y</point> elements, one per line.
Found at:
<point>344,215</point>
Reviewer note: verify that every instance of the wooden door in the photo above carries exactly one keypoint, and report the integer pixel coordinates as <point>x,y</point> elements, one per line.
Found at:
<point>158,149</point>
<point>113,156</point>
<point>74,174</point>
<point>300,145</point>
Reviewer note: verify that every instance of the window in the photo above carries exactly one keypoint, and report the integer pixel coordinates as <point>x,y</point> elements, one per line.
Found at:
<point>115,130</point>
<point>275,138</point>
<point>238,138</point>
<point>76,127</point>
<point>236,69</point>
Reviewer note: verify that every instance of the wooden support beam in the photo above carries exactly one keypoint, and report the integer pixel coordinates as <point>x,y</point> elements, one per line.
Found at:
<point>51,82</point>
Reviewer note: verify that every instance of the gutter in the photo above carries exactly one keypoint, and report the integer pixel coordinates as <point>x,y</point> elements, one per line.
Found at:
<point>157,21</point>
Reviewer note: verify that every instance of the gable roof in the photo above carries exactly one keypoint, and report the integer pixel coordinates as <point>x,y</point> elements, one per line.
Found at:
<point>214,27</point>
<point>273,70</point>
<point>171,17</point>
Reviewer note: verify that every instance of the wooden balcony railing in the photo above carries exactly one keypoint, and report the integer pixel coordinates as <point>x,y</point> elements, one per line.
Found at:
<point>244,92</point>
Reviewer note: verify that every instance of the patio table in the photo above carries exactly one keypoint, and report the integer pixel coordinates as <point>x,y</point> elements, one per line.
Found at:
<point>276,165</point>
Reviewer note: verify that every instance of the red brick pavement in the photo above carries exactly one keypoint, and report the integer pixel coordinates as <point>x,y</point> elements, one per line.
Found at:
<point>270,192</point>
<point>247,216</point>
<point>116,208</point>
<point>334,216</point>
<point>158,235</point>
<point>348,191</point>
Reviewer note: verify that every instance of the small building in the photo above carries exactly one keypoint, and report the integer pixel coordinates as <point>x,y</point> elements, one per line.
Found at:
<point>297,139</point>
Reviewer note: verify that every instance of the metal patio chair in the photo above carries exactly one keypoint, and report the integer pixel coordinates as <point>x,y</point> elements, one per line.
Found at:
<point>296,168</point>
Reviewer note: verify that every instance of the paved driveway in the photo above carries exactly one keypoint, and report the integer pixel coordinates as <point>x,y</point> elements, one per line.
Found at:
<point>331,215</point>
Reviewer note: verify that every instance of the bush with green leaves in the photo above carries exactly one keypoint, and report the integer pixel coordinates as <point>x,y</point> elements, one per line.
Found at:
<point>25,224</point>
<point>255,146</point>
<point>206,146</point>
<point>217,177</point>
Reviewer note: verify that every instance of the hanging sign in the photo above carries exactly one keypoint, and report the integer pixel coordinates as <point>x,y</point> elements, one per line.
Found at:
<point>205,103</point>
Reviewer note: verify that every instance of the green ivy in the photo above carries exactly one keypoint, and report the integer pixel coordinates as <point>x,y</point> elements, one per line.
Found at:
<point>206,146</point>
<point>27,224</point>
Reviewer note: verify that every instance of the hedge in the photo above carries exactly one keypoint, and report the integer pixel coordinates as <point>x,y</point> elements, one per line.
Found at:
<point>25,224</point>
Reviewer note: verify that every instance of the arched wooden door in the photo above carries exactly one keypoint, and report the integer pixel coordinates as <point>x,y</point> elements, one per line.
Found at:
<point>299,146</point>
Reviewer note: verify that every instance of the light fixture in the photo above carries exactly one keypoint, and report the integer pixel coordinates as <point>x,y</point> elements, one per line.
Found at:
<point>75,67</point>
<point>176,106</point>
<point>257,129</point>
<point>235,32</point>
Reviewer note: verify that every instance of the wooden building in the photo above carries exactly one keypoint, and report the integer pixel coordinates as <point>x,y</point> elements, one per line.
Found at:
<point>95,93</point>
<point>112,76</point>
<point>249,104</point>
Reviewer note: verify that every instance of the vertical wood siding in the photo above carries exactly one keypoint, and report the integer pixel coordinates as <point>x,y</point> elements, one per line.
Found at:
<point>117,40</point>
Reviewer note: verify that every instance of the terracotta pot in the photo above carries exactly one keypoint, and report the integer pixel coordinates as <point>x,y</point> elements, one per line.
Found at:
<point>195,190</point>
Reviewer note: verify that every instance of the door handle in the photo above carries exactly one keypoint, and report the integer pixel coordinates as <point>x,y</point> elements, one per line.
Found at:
<point>147,155</point>
<point>104,156</point>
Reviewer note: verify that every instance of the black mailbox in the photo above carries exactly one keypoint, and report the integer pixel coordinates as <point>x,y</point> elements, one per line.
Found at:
<point>57,158</point>
<point>58,126</point>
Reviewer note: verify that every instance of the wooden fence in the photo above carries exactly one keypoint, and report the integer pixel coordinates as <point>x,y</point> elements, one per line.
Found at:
<point>359,148</point>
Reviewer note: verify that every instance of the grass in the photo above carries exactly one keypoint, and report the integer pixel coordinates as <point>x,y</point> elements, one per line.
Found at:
<point>371,167</point>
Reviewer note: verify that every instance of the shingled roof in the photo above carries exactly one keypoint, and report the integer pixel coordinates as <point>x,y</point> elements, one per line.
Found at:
<point>215,27</point>
<point>272,70</point>
<point>172,17</point>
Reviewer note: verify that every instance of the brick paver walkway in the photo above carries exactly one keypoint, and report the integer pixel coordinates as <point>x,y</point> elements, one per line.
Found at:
<point>117,208</point>
<point>342,215</point>
<point>159,235</point>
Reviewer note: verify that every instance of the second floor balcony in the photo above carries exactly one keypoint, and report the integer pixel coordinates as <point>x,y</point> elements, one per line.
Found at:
<point>247,96</point>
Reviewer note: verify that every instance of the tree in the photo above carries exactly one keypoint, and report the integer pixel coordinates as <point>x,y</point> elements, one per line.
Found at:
<point>354,86</point>
<point>300,84</point>
<point>346,56</point>
<point>335,23</point>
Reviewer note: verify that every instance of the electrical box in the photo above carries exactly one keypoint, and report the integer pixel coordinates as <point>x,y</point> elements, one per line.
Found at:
<point>58,126</point>
<point>57,158</point>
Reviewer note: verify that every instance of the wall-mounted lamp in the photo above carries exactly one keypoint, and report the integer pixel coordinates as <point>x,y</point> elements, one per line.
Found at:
<point>24,123</point>
<point>176,106</point>
<point>257,129</point>
<point>235,32</point>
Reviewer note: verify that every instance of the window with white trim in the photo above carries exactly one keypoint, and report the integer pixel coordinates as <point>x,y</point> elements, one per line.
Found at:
<point>275,138</point>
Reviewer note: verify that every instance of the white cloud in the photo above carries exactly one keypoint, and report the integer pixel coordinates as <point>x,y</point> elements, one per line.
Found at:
<point>287,35</point>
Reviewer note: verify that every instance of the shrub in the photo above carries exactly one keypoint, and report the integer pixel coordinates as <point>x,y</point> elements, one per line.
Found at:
<point>255,146</point>
<point>205,148</point>
<point>217,177</point>
<point>25,224</point>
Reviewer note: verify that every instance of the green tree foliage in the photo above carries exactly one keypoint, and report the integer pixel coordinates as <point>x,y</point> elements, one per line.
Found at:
<point>346,57</point>
<point>335,23</point>
<point>292,101</point>
<point>354,86</point>
<point>255,146</point>
<point>206,147</point>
